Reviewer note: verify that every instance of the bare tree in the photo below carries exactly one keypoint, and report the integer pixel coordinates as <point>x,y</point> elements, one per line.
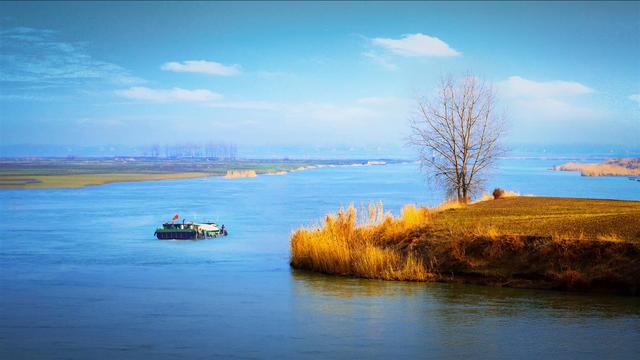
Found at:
<point>457,135</point>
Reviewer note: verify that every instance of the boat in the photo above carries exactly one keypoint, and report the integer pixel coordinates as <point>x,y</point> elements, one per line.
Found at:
<point>189,230</point>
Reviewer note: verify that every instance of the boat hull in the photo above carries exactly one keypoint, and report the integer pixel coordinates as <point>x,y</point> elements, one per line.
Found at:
<point>162,234</point>
<point>176,235</point>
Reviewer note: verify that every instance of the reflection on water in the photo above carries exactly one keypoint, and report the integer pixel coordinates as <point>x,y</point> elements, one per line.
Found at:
<point>343,287</point>
<point>464,321</point>
<point>493,301</point>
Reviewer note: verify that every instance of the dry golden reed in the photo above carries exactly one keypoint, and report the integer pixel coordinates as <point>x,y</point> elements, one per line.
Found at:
<point>610,237</point>
<point>235,174</point>
<point>448,205</point>
<point>346,244</point>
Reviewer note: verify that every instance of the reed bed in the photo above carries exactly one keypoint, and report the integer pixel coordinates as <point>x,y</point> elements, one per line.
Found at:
<point>359,244</point>
<point>235,174</point>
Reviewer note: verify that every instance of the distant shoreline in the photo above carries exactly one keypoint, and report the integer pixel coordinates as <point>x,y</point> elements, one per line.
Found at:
<point>48,173</point>
<point>611,167</point>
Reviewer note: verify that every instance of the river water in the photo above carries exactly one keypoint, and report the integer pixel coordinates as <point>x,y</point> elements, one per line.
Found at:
<point>83,277</point>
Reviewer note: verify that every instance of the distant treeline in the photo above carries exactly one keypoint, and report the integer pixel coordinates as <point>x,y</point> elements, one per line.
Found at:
<point>221,151</point>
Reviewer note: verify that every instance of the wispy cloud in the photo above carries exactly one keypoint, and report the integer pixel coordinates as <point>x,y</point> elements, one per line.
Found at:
<point>539,101</point>
<point>245,105</point>
<point>550,109</point>
<point>357,111</point>
<point>635,97</point>
<point>516,86</point>
<point>417,45</point>
<point>29,97</point>
<point>169,95</point>
<point>29,55</point>
<point>202,67</point>
<point>380,60</point>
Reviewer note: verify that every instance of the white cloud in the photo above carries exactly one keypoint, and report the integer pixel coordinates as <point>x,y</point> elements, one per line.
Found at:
<point>549,109</point>
<point>417,45</point>
<point>169,95</point>
<point>380,60</point>
<point>202,67</point>
<point>518,87</point>
<point>546,102</point>
<point>635,97</point>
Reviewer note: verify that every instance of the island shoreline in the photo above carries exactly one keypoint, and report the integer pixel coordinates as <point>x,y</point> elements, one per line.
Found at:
<point>480,244</point>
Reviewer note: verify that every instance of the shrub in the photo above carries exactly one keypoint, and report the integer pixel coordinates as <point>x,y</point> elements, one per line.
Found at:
<point>498,193</point>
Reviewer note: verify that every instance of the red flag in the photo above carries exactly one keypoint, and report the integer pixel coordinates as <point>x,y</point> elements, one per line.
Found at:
<point>175,217</point>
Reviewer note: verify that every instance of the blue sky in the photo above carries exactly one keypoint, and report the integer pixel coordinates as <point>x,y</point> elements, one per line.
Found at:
<point>310,74</point>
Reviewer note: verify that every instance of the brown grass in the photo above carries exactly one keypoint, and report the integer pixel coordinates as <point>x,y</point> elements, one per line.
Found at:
<point>519,242</point>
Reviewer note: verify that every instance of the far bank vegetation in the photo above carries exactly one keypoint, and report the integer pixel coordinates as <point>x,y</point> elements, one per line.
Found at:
<point>612,167</point>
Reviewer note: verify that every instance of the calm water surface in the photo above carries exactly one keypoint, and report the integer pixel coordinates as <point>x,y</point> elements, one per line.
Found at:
<point>83,277</point>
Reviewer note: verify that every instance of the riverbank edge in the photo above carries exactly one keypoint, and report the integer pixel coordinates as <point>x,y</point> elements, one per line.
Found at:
<point>418,253</point>
<point>567,280</point>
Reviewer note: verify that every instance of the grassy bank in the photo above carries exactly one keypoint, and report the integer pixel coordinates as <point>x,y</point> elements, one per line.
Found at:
<point>535,242</point>
<point>72,173</point>
<point>37,181</point>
